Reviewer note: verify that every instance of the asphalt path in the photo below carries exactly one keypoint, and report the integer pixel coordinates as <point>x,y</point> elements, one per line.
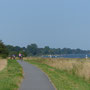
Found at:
<point>34,78</point>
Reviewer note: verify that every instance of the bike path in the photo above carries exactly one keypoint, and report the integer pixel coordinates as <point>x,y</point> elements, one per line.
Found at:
<point>34,78</point>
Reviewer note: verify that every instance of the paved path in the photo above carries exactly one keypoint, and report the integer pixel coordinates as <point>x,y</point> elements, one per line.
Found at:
<point>34,78</point>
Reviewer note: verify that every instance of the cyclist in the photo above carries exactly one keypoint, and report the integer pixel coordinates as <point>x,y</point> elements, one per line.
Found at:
<point>20,56</point>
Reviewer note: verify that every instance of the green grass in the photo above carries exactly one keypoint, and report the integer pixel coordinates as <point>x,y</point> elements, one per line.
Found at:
<point>62,79</point>
<point>11,76</point>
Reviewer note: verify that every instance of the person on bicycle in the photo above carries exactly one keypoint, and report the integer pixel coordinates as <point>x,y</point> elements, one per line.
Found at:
<point>20,56</point>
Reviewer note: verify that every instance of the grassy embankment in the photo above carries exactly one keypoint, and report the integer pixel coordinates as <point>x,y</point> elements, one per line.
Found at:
<point>66,74</point>
<point>11,76</point>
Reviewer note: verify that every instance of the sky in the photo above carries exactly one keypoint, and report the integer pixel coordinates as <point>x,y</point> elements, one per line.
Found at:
<point>54,23</point>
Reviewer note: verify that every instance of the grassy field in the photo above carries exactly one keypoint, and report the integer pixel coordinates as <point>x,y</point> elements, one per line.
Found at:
<point>66,74</point>
<point>11,76</point>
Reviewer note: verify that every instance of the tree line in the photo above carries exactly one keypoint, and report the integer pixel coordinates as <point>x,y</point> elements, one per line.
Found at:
<point>34,50</point>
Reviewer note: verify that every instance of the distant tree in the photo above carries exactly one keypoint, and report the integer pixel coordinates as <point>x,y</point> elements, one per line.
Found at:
<point>40,51</point>
<point>66,51</point>
<point>32,49</point>
<point>46,50</point>
<point>57,51</point>
<point>17,48</point>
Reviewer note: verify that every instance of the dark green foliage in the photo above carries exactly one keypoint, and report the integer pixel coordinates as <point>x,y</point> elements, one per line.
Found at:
<point>3,50</point>
<point>16,50</point>
<point>46,50</point>
<point>33,50</point>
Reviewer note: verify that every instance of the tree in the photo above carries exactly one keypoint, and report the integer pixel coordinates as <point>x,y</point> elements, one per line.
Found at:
<point>32,49</point>
<point>3,50</point>
<point>46,50</point>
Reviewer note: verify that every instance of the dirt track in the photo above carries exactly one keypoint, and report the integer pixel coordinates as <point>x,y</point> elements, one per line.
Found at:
<point>3,64</point>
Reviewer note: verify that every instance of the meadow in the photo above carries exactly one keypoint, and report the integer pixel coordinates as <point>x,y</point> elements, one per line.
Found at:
<point>65,74</point>
<point>11,76</point>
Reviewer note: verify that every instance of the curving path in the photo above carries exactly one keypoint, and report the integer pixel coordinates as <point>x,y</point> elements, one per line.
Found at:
<point>34,78</point>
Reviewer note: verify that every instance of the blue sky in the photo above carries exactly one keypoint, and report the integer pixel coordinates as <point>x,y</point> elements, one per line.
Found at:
<point>56,23</point>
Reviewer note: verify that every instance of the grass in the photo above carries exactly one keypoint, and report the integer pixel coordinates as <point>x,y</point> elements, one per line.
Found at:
<point>11,76</point>
<point>80,67</point>
<point>61,78</point>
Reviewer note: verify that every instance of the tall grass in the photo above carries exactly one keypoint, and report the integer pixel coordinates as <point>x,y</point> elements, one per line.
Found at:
<point>80,67</point>
<point>64,73</point>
